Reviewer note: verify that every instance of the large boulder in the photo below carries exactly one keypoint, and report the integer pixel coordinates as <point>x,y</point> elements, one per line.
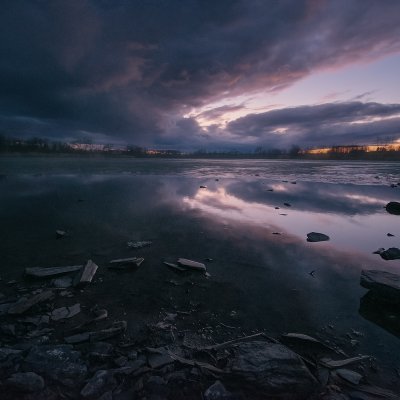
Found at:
<point>60,363</point>
<point>384,284</point>
<point>271,369</point>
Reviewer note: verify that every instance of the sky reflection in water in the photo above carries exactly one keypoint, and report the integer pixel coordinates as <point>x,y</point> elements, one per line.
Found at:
<point>264,277</point>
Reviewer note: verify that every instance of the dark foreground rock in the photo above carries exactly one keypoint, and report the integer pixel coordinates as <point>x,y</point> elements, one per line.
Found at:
<point>25,382</point>
<point>273,369</point>
<point>60,363</point>
<point>383,284</point>
<point>393,253</point>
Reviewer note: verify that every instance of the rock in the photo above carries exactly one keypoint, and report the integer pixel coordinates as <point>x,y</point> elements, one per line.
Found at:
<point>60,233</point>
<point>393,207</point>
<point>8,329</point>
<point>393,253</point>
<point>217,391</point>
<point>349,376</point>
<point>5,352</point>
<point>139,245</point>
<point>385,284</point>
<point>64,282</point>
<point>65,312</point>
<point>175,266</point>
<point>158,358</point>
<point>53,271</point>
<point>106,396</point>
<point>316,237</point>
<point>287,204</point>
<point>272,368</point>
<point>121,361</point>
<point>25,304</point>
<point>203,187</point>
<point>78,338</point>
<point>390,234</point>
<point>116,329</point>
<point>101,382</point>
<point>60,363</point>
<point>26,382</point>
<point>126,262</point>
<point>192,264</point>
<point>86,274</point>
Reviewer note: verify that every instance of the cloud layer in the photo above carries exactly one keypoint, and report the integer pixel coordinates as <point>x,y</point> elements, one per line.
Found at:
<point>129,71</point>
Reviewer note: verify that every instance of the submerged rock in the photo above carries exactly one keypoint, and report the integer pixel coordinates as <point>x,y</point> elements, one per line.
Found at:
<point>392,253</point>
<point>272,368</point>
<point>393,207</point>
<point>385,284</point>
<point>317,237</point>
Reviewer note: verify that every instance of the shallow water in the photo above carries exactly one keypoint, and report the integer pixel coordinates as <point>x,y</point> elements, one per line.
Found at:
<point>263,277</point>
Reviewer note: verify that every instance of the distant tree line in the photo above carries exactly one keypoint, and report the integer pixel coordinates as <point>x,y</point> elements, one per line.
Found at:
<point>43,146</point>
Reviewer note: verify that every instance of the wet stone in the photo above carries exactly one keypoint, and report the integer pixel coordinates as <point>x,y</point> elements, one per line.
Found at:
<point>26,382</point>
<point>101,382</point>
<point>60,363</point>
<point>217,391</point>
<point>317,237</point>
<point>272,368</point>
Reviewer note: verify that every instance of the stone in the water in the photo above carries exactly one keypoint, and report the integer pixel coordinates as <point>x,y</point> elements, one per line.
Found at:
<point>317,237</point>
<point>191,264</point>
<point>393,207</point>
<point>274,369</point>
<point>101,382</point>
<point>39,272</point>
<point>60,233</point>
<point>64,282</point>
<point>217,391</point>
<point>86,274</point>
<point>139,245</point>
<point>25,304</point>
<point>65,312</point>
<point>349,376</point>
<point>393,253</point>
<point>26,382</point>
<point>60,363</point>
<point>384,284</point>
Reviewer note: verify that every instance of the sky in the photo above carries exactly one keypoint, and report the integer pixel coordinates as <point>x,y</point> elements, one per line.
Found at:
<point>201,74</point>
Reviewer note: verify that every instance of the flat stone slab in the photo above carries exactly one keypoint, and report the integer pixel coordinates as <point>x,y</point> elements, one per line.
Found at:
<point>25,304</point>
<point>39,272</point>
<point>383,283</point>
<point>272,369</point>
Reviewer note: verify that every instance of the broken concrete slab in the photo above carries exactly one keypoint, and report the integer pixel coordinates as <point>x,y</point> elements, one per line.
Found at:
<point>24,304</point>
<point>86,274</point>
<point>189,264</point>
<point>384,284</point>
<point>317,237</point>
<point>39,272</point>
<point>272,368</point>
<point>65,312</point>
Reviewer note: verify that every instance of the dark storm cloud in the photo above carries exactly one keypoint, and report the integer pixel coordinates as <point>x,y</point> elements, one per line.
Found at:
<point>129,70</point>
<point>324,124</point>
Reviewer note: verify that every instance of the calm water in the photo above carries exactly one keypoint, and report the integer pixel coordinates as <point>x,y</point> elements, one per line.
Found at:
<point>261,276</point>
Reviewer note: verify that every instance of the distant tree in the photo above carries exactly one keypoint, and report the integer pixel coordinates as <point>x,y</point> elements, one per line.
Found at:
<point>294,151</point>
